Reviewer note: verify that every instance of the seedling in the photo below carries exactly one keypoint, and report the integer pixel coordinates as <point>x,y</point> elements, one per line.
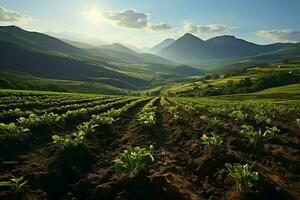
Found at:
<point>12,130</point>
<point>147,116</point>
<point>69,140</point>
<point>215,121</point>
<point>297,121</point>
<point>214,142</point>
<point>102,120</point>
<point>203,118</point>
<point>15,183</point>
<point>134,160</point>
<point>255,136</point>
<point>87,127</point>
<point>173,110</point>
<point>238,116</point>
<point>261,118</point>
<point>243,176</point>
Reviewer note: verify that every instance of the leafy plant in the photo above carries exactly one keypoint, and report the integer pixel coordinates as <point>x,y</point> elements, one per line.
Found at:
<point>215,121</point>
<point>204,118</point>
<point>87,127</point>
<point>242,174</point>
<point>43,120</point>
<point>255,136</point>
<point>102,119</point>
<point>12,130</point>
<point>262,118</point>
<point>16,183</point>
<point>238,115</point>
<point>69,140</point>
<point>297,121</point>
<point>173,110</point>
<point>133,160</point>
<point>214,142</point>
<point>147,116</point>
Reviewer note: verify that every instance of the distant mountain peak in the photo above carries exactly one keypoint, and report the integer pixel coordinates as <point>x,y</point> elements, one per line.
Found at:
<point>189,36</point>
<point>162,45</point>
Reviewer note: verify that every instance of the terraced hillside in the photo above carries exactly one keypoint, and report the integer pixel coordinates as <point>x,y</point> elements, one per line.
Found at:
<point>66,146</point>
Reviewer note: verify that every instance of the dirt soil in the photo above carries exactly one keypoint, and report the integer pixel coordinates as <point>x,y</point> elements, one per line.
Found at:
<point>183,168</point>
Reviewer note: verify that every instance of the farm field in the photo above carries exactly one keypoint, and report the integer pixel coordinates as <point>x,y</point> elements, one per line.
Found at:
<point>71,146</point>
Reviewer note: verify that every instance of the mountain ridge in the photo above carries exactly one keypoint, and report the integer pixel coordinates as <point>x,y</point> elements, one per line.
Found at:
<point>191,49</point>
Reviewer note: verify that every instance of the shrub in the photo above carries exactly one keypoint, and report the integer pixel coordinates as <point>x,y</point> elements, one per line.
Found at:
<point>242,174</point>
<point>134,160</point>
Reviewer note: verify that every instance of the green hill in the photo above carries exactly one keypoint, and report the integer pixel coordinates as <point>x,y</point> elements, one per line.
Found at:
<point>15,57</point>
<point>251,79</point>
<point>23,81</point>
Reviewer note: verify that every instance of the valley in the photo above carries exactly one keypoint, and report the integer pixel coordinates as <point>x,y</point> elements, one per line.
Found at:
<point>143,100</point>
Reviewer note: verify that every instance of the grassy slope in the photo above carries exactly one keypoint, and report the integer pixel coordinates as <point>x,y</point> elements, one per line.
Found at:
<point>288,89</point>
<point>18,80</point>
<point>253,73</point>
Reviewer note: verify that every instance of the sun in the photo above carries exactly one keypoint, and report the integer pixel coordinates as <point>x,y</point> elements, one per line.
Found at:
<point>93,15</point>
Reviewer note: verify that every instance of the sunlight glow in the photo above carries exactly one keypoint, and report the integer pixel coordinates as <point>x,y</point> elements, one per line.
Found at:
<point>93,15</point>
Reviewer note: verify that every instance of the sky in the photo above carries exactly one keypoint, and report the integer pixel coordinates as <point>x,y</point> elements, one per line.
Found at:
<point>144,23</point>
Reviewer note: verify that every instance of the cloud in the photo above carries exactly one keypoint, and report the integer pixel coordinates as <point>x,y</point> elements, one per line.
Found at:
<point>9,17</point>
<point>130,18</point>
<point>211,28</point>
<point>286,35</point>
<point>158,27</point>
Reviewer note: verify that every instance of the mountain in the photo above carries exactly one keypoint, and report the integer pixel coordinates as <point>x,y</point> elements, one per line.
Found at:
<point>162,45</point>
<point>80,45</point>
<point>118,47</point>
<point>118,52</point>
<point>191,49</point>
<point>38,40</point>
<point>47,57</point>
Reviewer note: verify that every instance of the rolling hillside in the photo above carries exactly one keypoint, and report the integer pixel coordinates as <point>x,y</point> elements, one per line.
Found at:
<point>38,41</point>
<point>251,79</point>
<point>23,81</point>
<point>16,57</point>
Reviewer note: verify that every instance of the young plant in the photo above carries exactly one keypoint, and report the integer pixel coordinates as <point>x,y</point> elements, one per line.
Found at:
<point>134,160</point>
<point>204,118</point>
<point>262,118</point>
<point>243,175</point>
<point>214,142</point>
<point>215,121</point>
<point>12,130</point>
<point>238,115</point>
<point>297,121</point>
<point>15,183</point>
<point>102,119</point>
<point>87,127</point>
<point>255,136</point>
<point>147,116</point>
<point>69,140</point>
<point>173,110</point>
